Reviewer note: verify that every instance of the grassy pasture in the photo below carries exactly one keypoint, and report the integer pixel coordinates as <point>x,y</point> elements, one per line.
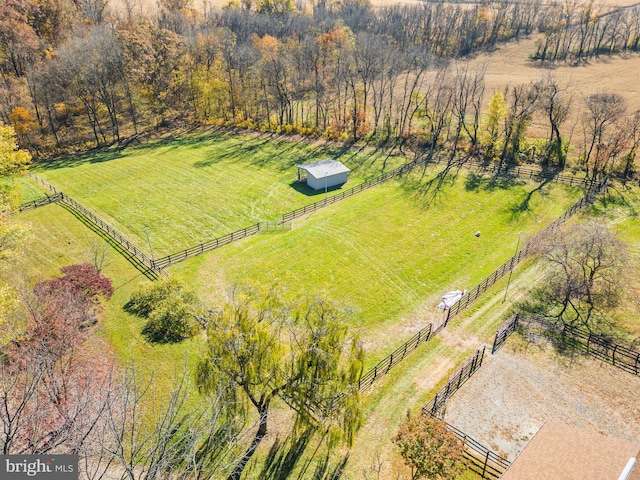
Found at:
<point>22,187</point>
<point>391,251</point>
<point>196,186</point>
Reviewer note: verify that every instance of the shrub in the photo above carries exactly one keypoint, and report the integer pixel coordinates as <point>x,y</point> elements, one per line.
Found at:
<point>170,310</point>
<point>148,297</point>
<point>76,294</point>
<point>171,321</point>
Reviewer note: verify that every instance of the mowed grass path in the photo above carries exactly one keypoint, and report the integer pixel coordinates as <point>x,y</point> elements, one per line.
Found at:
<point>192,187</point>
<point>389,252</point>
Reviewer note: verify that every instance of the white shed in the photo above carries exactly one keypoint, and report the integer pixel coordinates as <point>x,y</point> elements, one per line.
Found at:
<point>324,174</point>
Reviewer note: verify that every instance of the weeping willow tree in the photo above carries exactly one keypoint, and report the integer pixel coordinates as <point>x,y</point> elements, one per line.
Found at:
<point>263,348</point>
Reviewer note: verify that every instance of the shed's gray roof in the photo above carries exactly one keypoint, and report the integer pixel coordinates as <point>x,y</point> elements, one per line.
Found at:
<point>324,168</point>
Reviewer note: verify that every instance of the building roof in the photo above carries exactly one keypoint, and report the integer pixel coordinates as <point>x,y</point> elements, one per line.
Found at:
<point>324,168</point>
<point>562,452</point>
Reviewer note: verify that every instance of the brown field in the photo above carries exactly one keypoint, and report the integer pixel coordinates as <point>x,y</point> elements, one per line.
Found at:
<point>510,65</point>
<point>505,403</point>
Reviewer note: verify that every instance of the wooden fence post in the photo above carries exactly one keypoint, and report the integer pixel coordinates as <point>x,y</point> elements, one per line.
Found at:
<point>486,460</point>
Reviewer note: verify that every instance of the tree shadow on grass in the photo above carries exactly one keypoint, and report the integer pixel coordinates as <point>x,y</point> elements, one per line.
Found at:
<point>327,471</point>
<point>428,192</point>
<point>615,197</point>
<point>135,144</point>
<point>482,181</point>
<point>285,459</point>
<point>284,455</point>
<point>524,206</point>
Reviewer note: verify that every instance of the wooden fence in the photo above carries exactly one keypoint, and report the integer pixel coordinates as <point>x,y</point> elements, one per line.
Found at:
<point>274,226</point>
<point>144,262</point>
<point>503,333</point>
<point>214,243</point>
<point>483,461</point>
<point>38,202</point>
<point>603,348</point>
<point>384,365</point>
<point>522,253</point>
<point>435,407</point>
<point>529,173</point>
<point>163,262</point>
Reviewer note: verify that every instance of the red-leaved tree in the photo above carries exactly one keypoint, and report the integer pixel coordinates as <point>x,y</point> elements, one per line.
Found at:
<point>55,383</point>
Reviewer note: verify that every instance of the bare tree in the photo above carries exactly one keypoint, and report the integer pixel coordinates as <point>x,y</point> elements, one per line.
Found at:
<point>555,103</point>
<point>147,434</point>
<point>601,139</point>
<point>585,276</point>
<point>467,101</point>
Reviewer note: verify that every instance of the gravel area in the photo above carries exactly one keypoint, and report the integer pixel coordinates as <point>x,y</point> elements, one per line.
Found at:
<point>523,385</point>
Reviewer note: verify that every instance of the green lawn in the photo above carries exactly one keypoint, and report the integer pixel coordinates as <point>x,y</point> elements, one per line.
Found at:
<point>389,252</point>
<point>196,186</point>
<point>22,186</point>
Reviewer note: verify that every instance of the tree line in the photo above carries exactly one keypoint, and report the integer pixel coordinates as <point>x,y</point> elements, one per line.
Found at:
<point>578,32</point>
<point>75,75</point>
<point>83,76</point>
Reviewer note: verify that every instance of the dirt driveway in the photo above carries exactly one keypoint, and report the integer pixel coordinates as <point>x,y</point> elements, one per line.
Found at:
<point>523,385</point>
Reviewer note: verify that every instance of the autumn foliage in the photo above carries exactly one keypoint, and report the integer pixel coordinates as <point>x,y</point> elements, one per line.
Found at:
<point>55,378</point>
<point>429,448</point>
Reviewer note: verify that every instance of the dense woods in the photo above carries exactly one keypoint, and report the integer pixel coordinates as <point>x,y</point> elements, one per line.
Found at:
<point>79,75</point>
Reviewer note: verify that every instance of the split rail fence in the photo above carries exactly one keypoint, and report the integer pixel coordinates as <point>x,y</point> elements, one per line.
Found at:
<point>38,202</point>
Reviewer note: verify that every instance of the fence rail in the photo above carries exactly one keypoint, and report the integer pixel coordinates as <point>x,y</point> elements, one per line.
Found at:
<point>274,226</point>
<point>38,202</point>
<point>530,173</point>
<point>483,461</point>
<point>603,348</point>
<point>384,365</point>
<point>214,243</point>
<point>103,226</point>
<point>435,407</point>
<point>508,266</point>
<point>503,333</point>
